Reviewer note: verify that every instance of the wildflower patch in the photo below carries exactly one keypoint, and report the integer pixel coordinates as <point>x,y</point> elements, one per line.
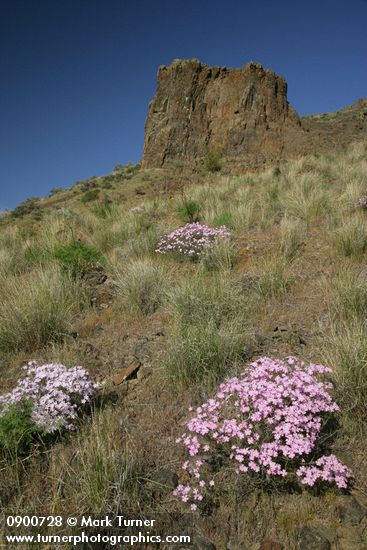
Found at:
<point>51,394</point>
<point>362,203</point>
<point>266,422</point>
<point>191,239</point>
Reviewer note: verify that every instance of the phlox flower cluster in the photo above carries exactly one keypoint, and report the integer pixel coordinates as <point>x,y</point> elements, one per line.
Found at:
<point>362,202</point>
<point>55,393</point>
<point>191,239</point>
<point>326,468</point>
<point>266,421</point>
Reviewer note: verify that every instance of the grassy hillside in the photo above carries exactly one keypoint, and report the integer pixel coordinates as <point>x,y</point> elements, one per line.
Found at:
<point>81,284</point>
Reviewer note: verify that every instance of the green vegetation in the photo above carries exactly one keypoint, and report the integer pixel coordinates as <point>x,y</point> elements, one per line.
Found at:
<point>16,432</point>
<point>104,477</point>
<point>103,210</point>
<point>223,219</point>
<point>212,161</point>
<point>189,211</point>
<point>29,206</point>
<point>219,257</point>
<point>91,195</point>
<point>76,257</point>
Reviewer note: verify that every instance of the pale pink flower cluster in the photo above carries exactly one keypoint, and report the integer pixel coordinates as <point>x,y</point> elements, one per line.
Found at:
<point>55,393</point>
<point>191,239</point>
<point>362,202</point>
<point>326,468</point>
<point>266,421</point>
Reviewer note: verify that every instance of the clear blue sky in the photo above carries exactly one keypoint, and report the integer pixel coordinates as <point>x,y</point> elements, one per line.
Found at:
<point>77,75</point>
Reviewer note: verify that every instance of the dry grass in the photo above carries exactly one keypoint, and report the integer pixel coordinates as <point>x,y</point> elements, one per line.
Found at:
<point>344,349</point>
<point>351,236</point>
<point>274,278</point>
<point>142,284</point>
<point>210,330</point>
<point>38,308</point>
<point>292,234</point>
<point>102,477</point>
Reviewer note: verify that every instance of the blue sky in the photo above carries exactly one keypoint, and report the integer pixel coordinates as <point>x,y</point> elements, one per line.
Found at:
<point>77,75</point>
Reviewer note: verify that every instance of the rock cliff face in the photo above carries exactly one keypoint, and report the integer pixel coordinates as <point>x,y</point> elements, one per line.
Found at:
<point>243,112</point>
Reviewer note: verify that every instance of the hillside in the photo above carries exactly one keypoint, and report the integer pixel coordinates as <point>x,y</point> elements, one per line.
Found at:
<point>81,284</point>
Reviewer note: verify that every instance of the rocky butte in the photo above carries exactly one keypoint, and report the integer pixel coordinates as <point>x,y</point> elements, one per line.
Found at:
<point>244,113</point>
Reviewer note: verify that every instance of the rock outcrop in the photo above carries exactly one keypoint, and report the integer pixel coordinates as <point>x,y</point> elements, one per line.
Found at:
<point>243,113</point>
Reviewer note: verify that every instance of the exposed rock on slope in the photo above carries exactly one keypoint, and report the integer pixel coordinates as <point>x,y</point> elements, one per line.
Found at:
<point>243,112</point>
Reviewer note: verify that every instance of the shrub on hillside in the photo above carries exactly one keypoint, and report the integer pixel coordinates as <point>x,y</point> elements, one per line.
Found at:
<point>77,256</point>
<point>47,399</point>
<point>212,161</point>
<point>191,239</point>
<point>267,422</point>
<point>91,195</point>
<point>29,206</point>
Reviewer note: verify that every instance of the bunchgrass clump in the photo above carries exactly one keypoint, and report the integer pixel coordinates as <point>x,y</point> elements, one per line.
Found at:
<point>306,199</point>
<point>351,237</point>
<point>34,255</point>
<point>274,279</point>
<point>212,161</point>
<point>346,293</point>
<point>267,423</point>
<point>218,257</point>
<point>141,285</point>
<point>103,210</point>
<point>210,329</point>
<point>143,244</point>
<point>38,308</point>
<point>243,216</point>
<point>344,345</point>
<point>223,219</point>
<point>203,352</point>
<point>189,211</point>
<point>202,297</point>
<point>106,470</point>
<point>291,237</point>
